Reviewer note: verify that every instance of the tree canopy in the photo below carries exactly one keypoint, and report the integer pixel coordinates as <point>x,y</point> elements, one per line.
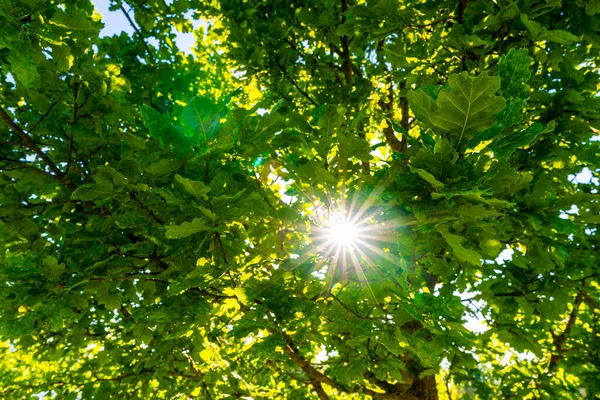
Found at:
<point>329,199</point>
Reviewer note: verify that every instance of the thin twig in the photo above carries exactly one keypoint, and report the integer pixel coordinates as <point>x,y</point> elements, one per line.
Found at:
<point>142,38</point>
<point>23,164</point>
<point>34,147</point>
<point>357,315</point>
<point>218,236</point>
<point>305,94</point>
<point>42,118</point>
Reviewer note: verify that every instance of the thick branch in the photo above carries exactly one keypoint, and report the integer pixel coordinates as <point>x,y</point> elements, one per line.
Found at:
<point>462,7</point>
<point>388,106</point>
<point>319,389</point>
<point>560,340</point>
<point>291,351</point>
<point>345,53</point>
<point>388,132</point>
<point>404,118</point>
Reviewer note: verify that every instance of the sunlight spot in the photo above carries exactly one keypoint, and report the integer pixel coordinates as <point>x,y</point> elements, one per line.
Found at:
<point>342,231</point>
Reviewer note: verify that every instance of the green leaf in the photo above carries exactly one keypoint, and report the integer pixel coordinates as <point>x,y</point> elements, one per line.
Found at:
<point>52,268</point>
<point>165,167</point>
<point>328,118</point>
<point>513,69</point>
<point>422,105</point>
<point>510,116</point>
<point>63,57</point>
<point>201,118</point>
<point>504,147</point>
<point>209,214</point>
<point>23,68</point>
<point>592,7</point>
<point>540,33</point>
<point>455,241</point>
<point>103,295</point>
<point>92,191</point>
<point>186,229</point>
<point>355,370</point>
<point>405,135</point>
<point>469,106</point>
<point>195,188</point>
<point>76,19</point>
<point>445,151</point>
<point>130,168</point>
<point>429,178</point>
<point>160,128</point>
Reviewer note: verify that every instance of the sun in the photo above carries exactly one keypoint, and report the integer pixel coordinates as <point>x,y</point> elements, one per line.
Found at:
<point>352,240</point>
<point>351,234</point>
<point>341,231</point>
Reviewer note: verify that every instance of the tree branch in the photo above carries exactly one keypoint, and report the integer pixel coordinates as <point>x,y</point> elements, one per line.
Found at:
<point>462,7</point>
<point>34,147</point>
<point>291,351</point>
<point>218,237</point>
<point>388,106</point>
<point>142,38</point>
<point>357,315</point>
<point>345,53</point>
<point>560,340</point>
<point>304,93</point>
<point>143,207</point>
<point>31,167</point>
<point>39,121</point>
<point>404,119</point>
<point>319,389</point>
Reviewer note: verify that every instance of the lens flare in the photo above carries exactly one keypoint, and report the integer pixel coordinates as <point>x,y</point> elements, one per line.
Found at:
<point>351,240</point>
<point>342,232</point>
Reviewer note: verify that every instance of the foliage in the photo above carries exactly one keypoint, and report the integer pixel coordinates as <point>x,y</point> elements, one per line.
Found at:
<point>161,214</point>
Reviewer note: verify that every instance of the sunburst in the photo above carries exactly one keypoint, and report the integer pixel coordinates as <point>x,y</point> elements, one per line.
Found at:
<point>349,234</point>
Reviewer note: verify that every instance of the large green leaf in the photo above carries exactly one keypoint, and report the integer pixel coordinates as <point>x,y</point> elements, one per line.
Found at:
<point>504,147</point>
<point>469,106</point>
<point>539,32</point>
<point>195,188</point>
<point>429,178</point>
<point>455,241</point>
<point>422,105</point>
<point>186,229</point>
<point>201,118</point>
<point>513,69</point>
<point>593,7</point>
<point>163,130</point>
<point>92,191</point>
<point>328,117</point>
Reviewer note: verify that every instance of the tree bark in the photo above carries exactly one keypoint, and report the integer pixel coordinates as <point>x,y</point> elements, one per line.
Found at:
<point>424,388</point>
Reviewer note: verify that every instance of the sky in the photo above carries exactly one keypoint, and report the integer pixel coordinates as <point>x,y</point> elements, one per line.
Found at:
<point>115,23</point>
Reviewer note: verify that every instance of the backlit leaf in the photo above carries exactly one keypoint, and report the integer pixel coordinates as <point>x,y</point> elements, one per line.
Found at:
<point>469,106</point>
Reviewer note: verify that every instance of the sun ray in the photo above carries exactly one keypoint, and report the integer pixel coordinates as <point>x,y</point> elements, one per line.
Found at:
<point>362,277</point>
